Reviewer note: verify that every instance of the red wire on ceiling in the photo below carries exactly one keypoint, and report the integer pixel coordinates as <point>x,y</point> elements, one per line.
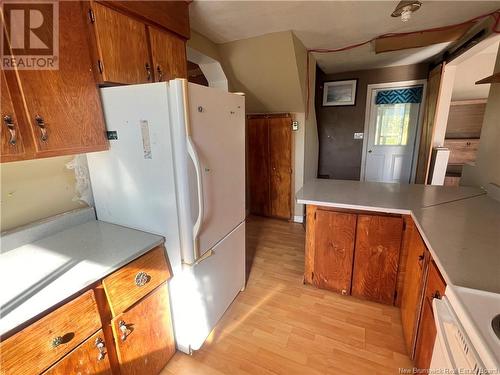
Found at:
<point>495,14</point>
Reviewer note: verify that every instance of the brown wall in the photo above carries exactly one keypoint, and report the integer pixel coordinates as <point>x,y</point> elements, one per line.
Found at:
<point>339,153</point>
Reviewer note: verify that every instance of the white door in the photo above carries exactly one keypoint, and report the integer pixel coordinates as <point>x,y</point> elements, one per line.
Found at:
<point>392,130</point>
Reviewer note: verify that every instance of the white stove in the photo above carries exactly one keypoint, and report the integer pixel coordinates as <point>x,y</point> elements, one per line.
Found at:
<point>467,331</point>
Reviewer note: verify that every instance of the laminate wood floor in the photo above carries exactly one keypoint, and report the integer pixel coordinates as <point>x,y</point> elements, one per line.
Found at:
<point>280,326</point>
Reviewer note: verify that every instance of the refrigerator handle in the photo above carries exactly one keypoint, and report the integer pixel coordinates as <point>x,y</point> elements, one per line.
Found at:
<point>199,182</point>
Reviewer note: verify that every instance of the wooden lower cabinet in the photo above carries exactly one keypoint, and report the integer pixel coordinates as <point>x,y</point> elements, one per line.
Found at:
<point>411,299</point>
<point>376,258</point>
<point>334,244</point>
<point>434,288</point>
<point>88,358</point>
<point>353,253</point>
<point>144,335</point>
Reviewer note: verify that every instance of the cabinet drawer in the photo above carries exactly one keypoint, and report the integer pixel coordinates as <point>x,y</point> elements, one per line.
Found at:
<point>132,282</point>
<point>85,359</point>
<point>44,342</point>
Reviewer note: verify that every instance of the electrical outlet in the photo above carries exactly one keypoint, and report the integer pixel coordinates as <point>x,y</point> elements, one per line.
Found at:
<point>358,135</point>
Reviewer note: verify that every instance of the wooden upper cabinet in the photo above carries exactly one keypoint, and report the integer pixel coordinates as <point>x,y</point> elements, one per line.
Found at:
<point>411,299</point>
<point>168,53</point>
<point>333,250</point>
<point>144,336</point>
<point>63,106</point>
<point>12,147</point>
<point>121,46</point>
<point>90,357</point>
<point>376,259</point>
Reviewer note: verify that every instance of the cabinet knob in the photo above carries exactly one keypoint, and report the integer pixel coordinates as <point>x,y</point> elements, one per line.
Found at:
<point>9,123</point>
<point>160,73</point>
<point>43,129</point>
<point>148,71</point>
<point>436,295</point>
<point>142,278</point>
<point>123,329</point>
<point>99,344</point>
<point>56,341</point>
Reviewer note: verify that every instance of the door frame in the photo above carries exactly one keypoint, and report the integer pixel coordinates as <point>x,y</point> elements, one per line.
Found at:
<point>366,129</point>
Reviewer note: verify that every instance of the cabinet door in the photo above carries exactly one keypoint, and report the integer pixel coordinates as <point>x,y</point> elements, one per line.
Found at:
<point>88,358</point>
<point>334,249</point>
<point>65,101</point>
<point>280,146</point>
<point>169,55</point>
<point>378,240</point>
<point>144,335</point>
<point>411,299</point>
<point>434,288</point>
<point>12,147</point>
<point>258,165</point>
<point>122,47</point>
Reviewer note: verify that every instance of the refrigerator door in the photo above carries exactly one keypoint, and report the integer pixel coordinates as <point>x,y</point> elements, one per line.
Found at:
<point>217,124</point>
<point>134,183</point>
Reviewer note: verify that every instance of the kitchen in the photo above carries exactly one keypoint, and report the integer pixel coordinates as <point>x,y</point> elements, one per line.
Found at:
<point>157,225</point>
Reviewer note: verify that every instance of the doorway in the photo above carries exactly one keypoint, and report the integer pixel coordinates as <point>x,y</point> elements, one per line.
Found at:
<point>393,117</point>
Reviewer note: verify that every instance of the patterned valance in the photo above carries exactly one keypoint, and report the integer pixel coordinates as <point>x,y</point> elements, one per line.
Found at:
<point>410,95</point>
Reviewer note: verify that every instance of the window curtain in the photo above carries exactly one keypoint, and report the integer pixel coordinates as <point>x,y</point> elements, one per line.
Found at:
<point>409,95</point>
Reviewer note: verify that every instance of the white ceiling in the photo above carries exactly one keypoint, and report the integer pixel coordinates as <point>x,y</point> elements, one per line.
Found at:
<point>331,24</point>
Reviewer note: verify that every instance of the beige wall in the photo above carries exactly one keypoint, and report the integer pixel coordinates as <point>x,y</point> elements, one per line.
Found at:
<point>35,189</point>
<point>265,69</point>
<point>203,45</point>
<point>487,168</point>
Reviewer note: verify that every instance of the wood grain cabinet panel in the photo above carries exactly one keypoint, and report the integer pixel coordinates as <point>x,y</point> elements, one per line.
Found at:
<point>133,281</point>
<point>411,299</point>
<point>258,165</point>
<point>38,346</point>
<point>280,140</point>
<point>334,250</point>
<point>122,47</point>
<point>88,358</point>
<point>11,130</point>
<point>144,336</point>
<point>63,106</point>
<point>168,53</point>
<point>434,288</point>
<point>270,165</point>
<point>376,259</point>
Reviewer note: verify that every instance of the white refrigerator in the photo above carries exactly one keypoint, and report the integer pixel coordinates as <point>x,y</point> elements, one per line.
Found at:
<point>176,167</point>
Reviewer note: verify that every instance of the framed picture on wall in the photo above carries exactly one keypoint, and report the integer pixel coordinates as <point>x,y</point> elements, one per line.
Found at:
<point>338,93</point>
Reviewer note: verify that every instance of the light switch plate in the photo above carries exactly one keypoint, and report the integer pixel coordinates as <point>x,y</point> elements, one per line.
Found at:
<point>295,125</point>
<point>358,135</point>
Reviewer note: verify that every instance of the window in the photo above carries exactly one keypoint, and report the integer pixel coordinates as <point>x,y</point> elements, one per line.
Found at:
<point>392,124</point>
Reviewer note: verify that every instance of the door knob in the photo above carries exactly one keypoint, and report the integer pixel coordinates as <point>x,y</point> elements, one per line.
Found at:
<point>369,151</point>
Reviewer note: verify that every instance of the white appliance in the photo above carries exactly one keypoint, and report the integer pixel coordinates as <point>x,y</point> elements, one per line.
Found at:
<point>177,168</point>
<point>466,341</point>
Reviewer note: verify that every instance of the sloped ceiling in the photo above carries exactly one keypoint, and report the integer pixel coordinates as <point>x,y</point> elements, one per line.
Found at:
<point>331,24</point>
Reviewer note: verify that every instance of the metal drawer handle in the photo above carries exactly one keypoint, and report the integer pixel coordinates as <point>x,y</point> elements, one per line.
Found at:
<point>148,70</point>
<point>142,278</point>
<point>160,73</point>
<point>123,329</point>
<point>56,341</point>
<point>43,130</point>
<point>9,122</point>
<point>99,344</point>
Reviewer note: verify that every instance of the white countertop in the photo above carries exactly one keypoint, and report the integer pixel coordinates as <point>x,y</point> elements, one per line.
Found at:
<point>379,196</point>
<point>460,225</point>
<point>39,275</point>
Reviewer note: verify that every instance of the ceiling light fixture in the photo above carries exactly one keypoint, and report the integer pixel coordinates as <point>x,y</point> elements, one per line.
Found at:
<point>405,9</point>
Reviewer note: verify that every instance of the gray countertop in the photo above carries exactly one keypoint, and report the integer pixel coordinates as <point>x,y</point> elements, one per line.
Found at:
<point>460,225</point>
<point>40,274</point>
